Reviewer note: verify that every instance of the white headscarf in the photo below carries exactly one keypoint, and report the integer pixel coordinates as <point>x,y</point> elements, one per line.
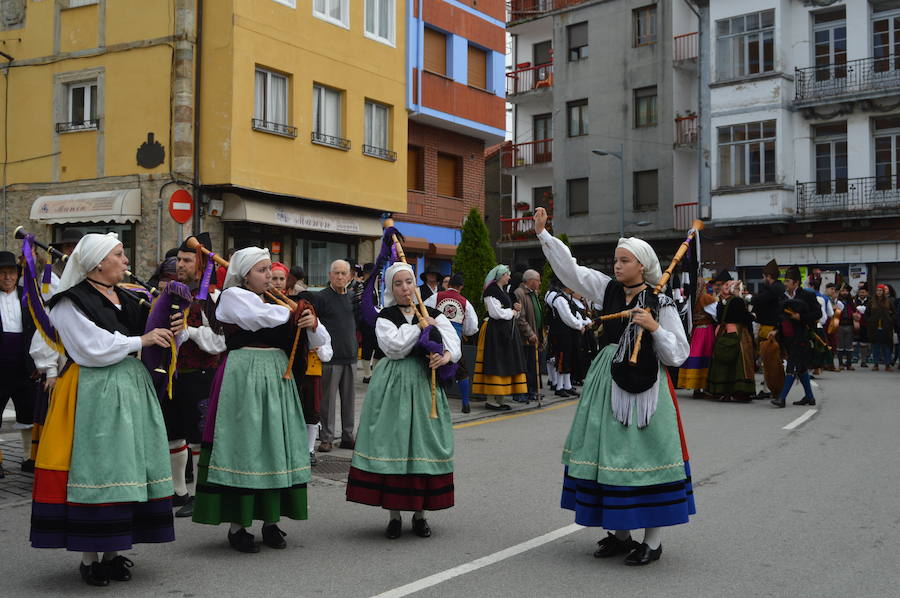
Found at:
<point>241,263</point>
<point>645,255</point>
<point>389,299</point>
<point>86,256</point>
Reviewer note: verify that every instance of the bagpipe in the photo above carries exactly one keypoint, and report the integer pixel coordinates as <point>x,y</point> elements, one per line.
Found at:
<point>392,251</point>
<point>696,227</point>
<point>810,331</point>
<point>298,308</point>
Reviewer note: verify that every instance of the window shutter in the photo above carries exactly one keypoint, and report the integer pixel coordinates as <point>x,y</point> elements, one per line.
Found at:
<point>447,166</point>
<point>578,35</point>
<point>413,165</point>
<point>435,51</point>
<point>477,68</point>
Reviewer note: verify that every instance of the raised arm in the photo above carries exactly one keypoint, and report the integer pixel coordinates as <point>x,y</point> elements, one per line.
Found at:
<point>584,281</point>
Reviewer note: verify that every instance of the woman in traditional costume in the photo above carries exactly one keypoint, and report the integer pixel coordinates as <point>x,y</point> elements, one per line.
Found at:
<point>499,359</point>
<point>403,459</point>
<point>731,374</point>
<point>625,456</point>
<point>694,373</point>
<point>103,480</point>
<point>254,463</point>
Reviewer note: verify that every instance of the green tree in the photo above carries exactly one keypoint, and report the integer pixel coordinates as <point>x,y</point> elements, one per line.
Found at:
<point>474,258</point>
<point>547,274</point>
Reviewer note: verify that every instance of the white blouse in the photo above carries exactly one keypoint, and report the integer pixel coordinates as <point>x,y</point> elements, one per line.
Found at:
<point>398,342</point>
<point>204,336</point>
<point>496,310</point>
<point>564,310</point>
<point>86,343</point>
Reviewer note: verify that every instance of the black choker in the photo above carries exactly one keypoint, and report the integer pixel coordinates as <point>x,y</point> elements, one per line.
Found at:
<point>633,286</point>
<point>109,287</point>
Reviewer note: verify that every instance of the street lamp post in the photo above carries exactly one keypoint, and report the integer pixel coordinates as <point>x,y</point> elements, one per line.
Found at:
<point>621,156</point>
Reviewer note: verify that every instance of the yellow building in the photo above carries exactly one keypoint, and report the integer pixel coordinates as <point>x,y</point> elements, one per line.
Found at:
<point>297,106</point>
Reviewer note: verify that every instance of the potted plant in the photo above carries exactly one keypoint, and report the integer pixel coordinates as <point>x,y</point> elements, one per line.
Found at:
<point>521,206</point>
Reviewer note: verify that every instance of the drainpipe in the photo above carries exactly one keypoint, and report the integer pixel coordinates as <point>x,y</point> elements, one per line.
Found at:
<point>197,69</point>
<point>9,60</point>
<point>420,35</point>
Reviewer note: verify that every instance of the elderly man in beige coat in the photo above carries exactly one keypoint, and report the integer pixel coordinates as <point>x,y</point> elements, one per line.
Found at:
<point>530,325</point>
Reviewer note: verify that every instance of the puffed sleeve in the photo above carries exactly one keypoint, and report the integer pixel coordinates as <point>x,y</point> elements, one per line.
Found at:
<point>86,343</point>
<point>470,323</point>
<point>206,338</point>
<point>320,340</point>
<point>669,341</point>
<point>584,281</point>
<point>496,310</point>
<point>565,313</point>
<point>245,309</point>
<point>449,337</point>
<point>396,342</point>
<point>45,358</point>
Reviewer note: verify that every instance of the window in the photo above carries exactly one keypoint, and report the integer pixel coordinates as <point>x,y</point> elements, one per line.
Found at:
<point>747,154</point>
<point>644,25</point>
<point>270,110</point>
<point>830,45</point>
<point>77,3</point>
<point>646,190</point>
<point>291,3</point>
<point>448,175</point>
<point>577,195</point>
<point>645,107</point>
<point>542,197</point>
<point>578,41</point>
<point>477,67</point>
<point>745,45</point>
<point>333,11</point>
<point>81,112</point>
<point>415,179</point>
<point>542,128</point>
<point>831,158</point>
<point>377,137</point>
<point>380,18</point>
<point>578,118</point>
<point>887,152</point>
<point>327,117</point>
<point>542,53</point>
<point>435,51</point>
<point>886,36</point>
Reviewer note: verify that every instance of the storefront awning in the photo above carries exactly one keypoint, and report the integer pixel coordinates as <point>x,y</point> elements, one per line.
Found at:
<point>120,206</point>
<point>442,251</point>
<point>415,245</point>
<point>239,209</point>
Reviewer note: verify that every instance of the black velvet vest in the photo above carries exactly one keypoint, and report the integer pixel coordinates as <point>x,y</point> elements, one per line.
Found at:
<point>641,376</point>
<point>129,320</point>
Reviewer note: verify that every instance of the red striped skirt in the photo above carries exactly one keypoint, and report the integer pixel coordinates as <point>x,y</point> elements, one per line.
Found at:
<point>411,492</point>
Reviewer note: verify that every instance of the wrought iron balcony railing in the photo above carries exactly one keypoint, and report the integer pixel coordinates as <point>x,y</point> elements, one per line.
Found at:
<point>529,79</point>
<point>518,229</point>
<point>530,153</point>
<point>686,130</point>
<point>686,47</point>
<point>842,79</point>
<point>530,9</point>
<point>330,140</point>
<point>272,127</point>
<point>379,152</point>
<point>78,125</point>
<point>848,196</point>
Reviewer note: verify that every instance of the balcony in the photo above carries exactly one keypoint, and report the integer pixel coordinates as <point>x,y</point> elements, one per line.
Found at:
<point>686,131</point>
<point>379,152</point>
<point>686,47</point>
<point>519,229</point>
<point>520,10</point>
<point>848,197</point>
<point>266,126</point>
<point>847,81</point>
<point>330,140</point>
<point>531,78</point>
<point>91,124</point>
<point>531,153</point>
<point>685,214</point>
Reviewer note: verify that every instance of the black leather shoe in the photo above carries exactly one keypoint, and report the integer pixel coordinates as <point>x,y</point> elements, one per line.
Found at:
<point>805,401</point>
<point>572,392</point>
<point>118,568</point>
<point>394,529</point>
<point>503,407</point>
<point>466,408</point>
<point>28,465</point>
<point>348,444</point>
<point>612,546</point>
<point>179,500</point>
<point>420,527</point>
<point>561,393</point>
<point>777,402</point>
<point>273,537</point>
<point>187,510</point>
<point>763,395</point>
<point>94,574</point>
<point>642,555</point>
<point>242,541</point>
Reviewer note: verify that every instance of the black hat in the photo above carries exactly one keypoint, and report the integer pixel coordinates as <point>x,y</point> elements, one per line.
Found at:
<point>457,280</point>
<point>724,276</point>
<point>368,267</point>
<point>793,273</point>
<point>70,235</point>
<point>771,269</point>
<point>298,273</point>
<point>8,259</point>
<point>202,237</point>
<point>430,269</point>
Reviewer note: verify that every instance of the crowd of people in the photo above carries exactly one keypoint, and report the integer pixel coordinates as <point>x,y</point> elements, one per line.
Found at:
<point>244,367</point>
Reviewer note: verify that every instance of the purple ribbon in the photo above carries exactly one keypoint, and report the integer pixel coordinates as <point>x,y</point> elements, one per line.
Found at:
<point>446,371</point>
<point>207,276</point>
<point>31,298</point>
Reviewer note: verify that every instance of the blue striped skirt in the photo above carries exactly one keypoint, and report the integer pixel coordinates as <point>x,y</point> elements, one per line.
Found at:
<point>628,507</point>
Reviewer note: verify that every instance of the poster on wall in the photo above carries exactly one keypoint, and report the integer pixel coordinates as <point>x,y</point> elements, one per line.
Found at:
<point>858,273</point>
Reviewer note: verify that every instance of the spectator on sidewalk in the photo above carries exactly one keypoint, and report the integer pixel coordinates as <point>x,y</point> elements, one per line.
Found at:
<point>881,327</point>
<point>861,303</point>
<point>336,313</point>
<point>530,324</point>
<point>847,326</point>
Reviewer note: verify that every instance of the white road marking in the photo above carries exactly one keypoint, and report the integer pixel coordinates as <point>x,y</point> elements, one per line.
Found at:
<point>437,578</point>
<point>800,420</point>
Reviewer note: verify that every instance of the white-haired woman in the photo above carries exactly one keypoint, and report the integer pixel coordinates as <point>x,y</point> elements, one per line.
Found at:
<point>254,463</point>
<point>403,459</point>
<point>103,481</point>
<point>625,456</point>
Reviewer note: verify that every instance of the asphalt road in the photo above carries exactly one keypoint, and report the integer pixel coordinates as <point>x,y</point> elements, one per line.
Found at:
<point>810,511</point>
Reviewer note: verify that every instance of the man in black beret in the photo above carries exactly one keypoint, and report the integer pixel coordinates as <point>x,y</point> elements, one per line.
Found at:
<point>796,334</point>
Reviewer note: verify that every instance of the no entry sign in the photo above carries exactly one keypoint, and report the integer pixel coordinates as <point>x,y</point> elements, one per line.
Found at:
<point>181,206</point>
